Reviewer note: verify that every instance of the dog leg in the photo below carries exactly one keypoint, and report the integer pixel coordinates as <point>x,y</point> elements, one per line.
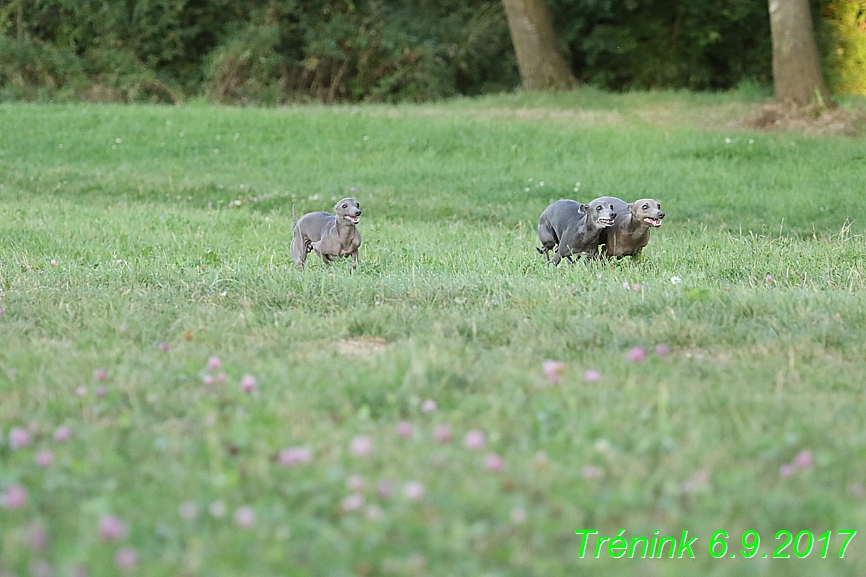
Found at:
<point>299,254</point>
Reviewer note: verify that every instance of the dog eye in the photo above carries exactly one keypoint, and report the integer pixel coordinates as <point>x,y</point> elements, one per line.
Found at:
<point>599,207</point>
<point>646,206</point>
<point>345,205</point>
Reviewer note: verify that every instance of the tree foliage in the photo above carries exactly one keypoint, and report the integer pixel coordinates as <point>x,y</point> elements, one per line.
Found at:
<point>275,51</point>
<point>624,44</point>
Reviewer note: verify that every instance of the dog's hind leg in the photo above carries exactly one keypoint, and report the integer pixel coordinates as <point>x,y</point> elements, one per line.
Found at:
<point>298,250</point>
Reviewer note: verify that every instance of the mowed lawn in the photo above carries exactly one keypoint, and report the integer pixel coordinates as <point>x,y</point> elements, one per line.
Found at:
<point>177,399</point>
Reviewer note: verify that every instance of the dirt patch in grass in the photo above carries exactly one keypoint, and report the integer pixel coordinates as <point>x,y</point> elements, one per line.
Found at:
<point>362,346</point>
<point>813,119</point>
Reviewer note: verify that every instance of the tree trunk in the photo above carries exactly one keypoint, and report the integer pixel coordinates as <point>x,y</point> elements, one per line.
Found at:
<point>796,68</point>
<point>541,65</point>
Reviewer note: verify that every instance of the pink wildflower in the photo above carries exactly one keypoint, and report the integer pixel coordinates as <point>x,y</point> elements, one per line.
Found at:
<point>442,432</point>
<point>384,488</point>
<point>592,376</point>
<point>494,462</point>
<point>14,497</point>
<point>405,429</point>
<point>474,440</point>
<point>591,472</point>
<point>804,460</point>
<point>61,434</point>
<point>352,502</point>
<point>18,438</point>
<point>428,406</point>
<point>44,458</point>
<point>111,528</point>
<point>125,558</point>
<point>214,363</point>
<point>553,370</point>
<point>248,383</point>
<point>636,354</point>
<point>38,536</point>
<point>361,446</point>
<point>245,517</point>
<point>414,490</point>
<point>291,456</point>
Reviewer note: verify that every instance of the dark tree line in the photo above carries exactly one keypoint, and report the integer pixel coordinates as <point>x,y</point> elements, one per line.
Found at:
<point>275,51</point>
<point>797,76</point>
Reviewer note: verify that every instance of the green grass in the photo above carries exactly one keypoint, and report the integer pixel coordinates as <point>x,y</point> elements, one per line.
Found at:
<point>159,238</point>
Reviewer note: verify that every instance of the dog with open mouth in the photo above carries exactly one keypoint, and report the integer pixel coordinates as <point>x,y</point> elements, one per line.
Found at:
<point>329,235</point>
<point>630,232</point>
<point>574,227</point>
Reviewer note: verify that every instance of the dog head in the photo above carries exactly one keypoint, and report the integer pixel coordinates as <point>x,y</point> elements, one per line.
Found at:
<point>600,212</point>
<point>647,211</point>
<point>349,209</point>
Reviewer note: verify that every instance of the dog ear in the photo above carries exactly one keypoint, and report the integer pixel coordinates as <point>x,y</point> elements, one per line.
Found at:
<point>584,208</point>
<point>630,207</point>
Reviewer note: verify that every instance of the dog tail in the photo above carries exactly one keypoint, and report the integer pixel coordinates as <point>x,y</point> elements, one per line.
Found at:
<point>294,220</point>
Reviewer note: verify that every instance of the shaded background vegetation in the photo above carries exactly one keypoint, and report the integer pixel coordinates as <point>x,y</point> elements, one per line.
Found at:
<point>277,51</point>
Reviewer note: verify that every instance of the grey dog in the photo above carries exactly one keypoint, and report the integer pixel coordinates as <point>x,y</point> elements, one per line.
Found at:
<point>331,236</point>
<point>630,232</point>
<point>575,227</point>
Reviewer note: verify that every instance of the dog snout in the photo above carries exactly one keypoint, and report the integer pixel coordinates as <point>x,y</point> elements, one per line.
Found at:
<point>661,214</point>
<point>357,212</point>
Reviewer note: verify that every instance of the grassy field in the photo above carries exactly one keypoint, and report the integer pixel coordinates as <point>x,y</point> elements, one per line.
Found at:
<point>138,243</point>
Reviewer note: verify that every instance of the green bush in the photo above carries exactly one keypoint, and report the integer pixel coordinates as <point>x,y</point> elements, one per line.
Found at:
<point>248,68</point>
<point>30,70</point>
<point>373,51</point>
